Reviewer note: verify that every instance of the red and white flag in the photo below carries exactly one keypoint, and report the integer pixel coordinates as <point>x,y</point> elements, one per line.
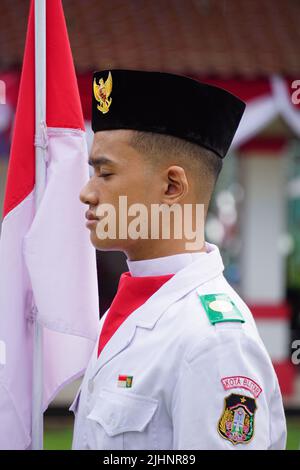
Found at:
<point>47,265</point>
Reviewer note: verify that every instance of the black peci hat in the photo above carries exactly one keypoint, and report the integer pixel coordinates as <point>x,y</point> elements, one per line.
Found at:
<point>167,104</point>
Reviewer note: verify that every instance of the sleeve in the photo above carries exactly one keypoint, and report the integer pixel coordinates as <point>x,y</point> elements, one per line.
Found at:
<point>226,396</point>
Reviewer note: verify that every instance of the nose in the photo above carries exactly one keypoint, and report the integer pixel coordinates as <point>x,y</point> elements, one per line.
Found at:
<point>88,195</point>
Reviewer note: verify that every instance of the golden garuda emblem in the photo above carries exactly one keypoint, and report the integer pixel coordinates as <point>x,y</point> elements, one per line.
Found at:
<point>102,92</point>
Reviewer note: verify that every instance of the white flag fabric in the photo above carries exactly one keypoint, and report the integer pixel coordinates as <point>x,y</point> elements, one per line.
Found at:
<point>47,264</point>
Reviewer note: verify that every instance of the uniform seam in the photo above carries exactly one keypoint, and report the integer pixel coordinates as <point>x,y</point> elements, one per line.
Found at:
<point>185,362</point>
<point>180,373</point>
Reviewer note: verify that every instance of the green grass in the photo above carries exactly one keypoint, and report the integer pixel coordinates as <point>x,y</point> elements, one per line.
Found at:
<point>59,437</point>
<point>293,438</point>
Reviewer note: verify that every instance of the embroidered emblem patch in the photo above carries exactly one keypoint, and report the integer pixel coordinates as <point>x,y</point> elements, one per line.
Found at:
<point>220,308</point>
<point>237,421</point>
<point>102,92</point>
<point>125,381</point>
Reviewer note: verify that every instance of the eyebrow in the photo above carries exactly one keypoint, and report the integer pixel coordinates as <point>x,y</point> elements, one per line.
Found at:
<point>98,161</point>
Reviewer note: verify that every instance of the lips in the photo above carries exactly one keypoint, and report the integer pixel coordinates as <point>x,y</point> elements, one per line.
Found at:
<point>89,215</point>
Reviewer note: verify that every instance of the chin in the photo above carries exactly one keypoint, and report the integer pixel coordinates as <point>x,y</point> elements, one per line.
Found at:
<point>105,245</point>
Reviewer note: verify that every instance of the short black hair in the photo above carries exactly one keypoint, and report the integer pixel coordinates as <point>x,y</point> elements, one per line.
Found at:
<point>204,163</point>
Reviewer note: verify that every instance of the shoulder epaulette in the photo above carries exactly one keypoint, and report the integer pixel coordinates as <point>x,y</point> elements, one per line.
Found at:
<point>220,308</point>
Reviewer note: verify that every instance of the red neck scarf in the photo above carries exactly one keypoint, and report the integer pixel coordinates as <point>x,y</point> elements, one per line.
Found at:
<point>132,293</point>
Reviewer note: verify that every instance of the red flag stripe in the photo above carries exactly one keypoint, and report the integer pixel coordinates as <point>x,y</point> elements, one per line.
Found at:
<point>63,102</point>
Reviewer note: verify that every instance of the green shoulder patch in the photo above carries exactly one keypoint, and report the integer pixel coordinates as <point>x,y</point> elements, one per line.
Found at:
<point>220,308</point>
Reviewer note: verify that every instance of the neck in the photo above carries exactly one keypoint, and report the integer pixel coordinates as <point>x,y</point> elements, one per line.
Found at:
<point>146,251</point>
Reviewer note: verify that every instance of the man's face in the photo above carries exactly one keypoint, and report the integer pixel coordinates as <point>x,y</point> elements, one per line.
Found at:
<point>119,170</point>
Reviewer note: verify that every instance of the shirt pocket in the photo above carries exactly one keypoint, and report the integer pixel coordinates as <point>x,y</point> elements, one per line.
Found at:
<point>122,421</point>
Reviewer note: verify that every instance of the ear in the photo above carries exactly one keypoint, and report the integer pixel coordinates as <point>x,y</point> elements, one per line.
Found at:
<point>176,185</point>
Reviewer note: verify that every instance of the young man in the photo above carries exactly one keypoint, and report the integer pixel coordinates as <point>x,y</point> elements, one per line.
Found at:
<point>179,363</point>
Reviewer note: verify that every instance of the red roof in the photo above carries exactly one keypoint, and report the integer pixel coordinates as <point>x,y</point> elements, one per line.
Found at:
<point>244,38</point>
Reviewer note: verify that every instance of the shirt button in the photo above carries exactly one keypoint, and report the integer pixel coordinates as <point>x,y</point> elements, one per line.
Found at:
<point>91,386</point>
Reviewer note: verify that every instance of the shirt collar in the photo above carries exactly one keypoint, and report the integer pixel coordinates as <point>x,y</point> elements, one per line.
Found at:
<point>189,278</point>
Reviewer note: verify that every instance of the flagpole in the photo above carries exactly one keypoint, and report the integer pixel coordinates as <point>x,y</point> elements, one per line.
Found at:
<point>40,182</point>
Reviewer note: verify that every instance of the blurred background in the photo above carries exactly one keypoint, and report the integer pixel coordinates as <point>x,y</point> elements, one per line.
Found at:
<point>251,48</point>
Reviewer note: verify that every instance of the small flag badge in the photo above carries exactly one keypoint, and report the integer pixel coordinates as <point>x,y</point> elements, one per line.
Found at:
<point>125,381</point>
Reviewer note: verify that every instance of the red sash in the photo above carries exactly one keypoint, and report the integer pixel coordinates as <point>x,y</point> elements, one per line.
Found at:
<point>132,293</point>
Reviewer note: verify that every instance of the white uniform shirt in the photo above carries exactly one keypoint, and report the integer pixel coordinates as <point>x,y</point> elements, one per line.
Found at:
<point>191,384</point>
